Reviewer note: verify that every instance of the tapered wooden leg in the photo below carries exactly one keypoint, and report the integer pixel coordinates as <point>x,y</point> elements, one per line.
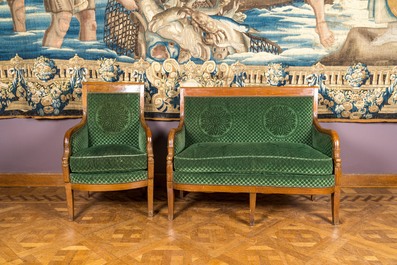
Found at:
<point>181,194</point>
<point>170,195</point>
<point>150,197</point>
<point>69,200</point>
<point>252,208</point>
<point>335,203</point>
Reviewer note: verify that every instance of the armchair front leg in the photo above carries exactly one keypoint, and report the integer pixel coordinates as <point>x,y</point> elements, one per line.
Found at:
<point>335,203</point>
<point>170,189</point>
<point>70,200</point>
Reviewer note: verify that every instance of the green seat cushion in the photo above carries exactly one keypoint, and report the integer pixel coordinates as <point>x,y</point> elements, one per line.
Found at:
<point>108,158</point>
<point>280,157</point>
<point>108,177</point>
<point>255,179</point>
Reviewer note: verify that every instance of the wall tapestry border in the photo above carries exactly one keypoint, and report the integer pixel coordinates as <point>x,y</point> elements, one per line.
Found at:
<point>45,88</point>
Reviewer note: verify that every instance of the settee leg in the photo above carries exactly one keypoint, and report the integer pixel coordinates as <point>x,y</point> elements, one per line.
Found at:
<point>170,193</point>
<point>252,208</point>
<point>69,200</point>
<point>335,202</point>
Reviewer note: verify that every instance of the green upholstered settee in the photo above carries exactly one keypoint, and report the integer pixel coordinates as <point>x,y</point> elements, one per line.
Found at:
<point>253,140</point>
<point>111,148</point>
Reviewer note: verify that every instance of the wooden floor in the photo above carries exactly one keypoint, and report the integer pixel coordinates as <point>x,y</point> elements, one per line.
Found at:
<point>112,228</point>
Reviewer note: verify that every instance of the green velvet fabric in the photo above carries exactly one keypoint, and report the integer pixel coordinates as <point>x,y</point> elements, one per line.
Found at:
<point>248,119</point>
<point>108,158</point>
<point>142,139</point>
<point>79,139</point>
<point>322,142</point>
<point>271,157</point>
<point>113,118</point>
<point>111,147</point>
<point>108,178</point>
<point>255,179</point>
<point>252,141</point>
<point>179,141</point>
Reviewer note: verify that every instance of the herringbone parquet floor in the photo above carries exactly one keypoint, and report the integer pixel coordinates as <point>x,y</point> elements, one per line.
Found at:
<point>112,228</point>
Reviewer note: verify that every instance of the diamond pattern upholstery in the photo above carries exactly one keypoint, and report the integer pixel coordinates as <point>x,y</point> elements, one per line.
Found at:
<point>240,122</point>
<point>79,139</point>
<point>280,157</point>
<point>276,138</point>
<point>254,179</point>
<point>108,178</point>
<point>113,139</point>
<point>108,158</point>
<point>252,140</point>
<point>113,118</point>
<point>111,147</point>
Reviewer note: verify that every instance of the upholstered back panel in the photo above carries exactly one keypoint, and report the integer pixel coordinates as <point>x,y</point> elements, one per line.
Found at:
<point>248,119</point>
<point>113,118</point>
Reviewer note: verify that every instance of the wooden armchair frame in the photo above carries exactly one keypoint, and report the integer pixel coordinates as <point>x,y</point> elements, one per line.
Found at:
<point>105,87</point>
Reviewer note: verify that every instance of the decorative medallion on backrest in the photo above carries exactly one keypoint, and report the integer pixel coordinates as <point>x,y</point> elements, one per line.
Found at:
<point>288,118</point>
<point>280,121</point>
<point>215,120</point>
<point>113,118</point>
<point>223,118</point>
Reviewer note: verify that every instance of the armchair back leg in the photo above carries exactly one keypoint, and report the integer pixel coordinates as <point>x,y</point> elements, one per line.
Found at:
<point>252,208</point>
<point>150,197</point>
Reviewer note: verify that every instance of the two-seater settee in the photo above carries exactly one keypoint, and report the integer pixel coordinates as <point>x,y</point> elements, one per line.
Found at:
<point>252,140</point>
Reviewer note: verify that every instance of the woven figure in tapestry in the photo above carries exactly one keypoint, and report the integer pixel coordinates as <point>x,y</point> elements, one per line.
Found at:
<point>17,8</point>
<point>326,36</point>
<point>384,11</point>
<point>61,15</point>
<point>123,29</point>
<point>181,30</point>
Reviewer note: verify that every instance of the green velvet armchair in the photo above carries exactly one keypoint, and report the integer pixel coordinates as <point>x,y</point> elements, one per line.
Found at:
<point>252,140</point>
<point>111,148</point>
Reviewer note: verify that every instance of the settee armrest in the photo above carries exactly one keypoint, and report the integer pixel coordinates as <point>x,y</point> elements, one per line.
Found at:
<point>326,141</point>
<point>145,138</point>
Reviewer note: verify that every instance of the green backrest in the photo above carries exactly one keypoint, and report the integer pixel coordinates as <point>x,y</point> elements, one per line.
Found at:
<point>113,118</point>
<point>248,119</point>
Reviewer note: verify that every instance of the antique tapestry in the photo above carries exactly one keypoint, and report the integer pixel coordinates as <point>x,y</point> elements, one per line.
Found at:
<point>346,48</point>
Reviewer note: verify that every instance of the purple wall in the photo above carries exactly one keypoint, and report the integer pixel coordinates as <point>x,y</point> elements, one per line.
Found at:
<point>35,146</point>
<point>367,148</point>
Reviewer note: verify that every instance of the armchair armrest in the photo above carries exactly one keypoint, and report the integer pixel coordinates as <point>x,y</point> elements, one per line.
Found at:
<point>75,139</point>
<point>146,145</point>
